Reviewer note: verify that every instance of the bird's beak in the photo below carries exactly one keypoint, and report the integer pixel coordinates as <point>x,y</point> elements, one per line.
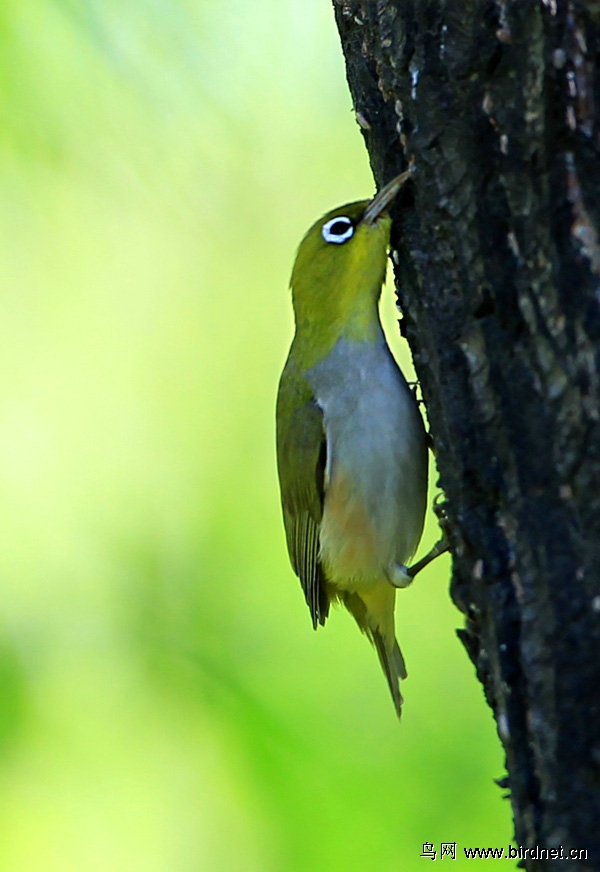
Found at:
<point>384,197</point>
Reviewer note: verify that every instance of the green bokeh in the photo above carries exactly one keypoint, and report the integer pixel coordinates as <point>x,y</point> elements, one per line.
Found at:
<point>165,705</point>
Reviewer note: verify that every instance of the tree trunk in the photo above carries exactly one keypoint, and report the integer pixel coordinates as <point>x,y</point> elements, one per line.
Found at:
<point>497,261</point>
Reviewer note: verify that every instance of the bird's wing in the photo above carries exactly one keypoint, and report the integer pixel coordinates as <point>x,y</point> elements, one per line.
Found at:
<point>301,459</point>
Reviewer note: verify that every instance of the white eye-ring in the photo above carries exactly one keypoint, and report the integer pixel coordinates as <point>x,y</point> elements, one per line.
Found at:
<point>337,230</point>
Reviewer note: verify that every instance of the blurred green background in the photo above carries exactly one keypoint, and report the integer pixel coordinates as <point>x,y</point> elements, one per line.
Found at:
<point>164,703</point>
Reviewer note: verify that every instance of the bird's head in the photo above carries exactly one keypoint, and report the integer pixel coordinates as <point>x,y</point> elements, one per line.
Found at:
<point>340,269</point>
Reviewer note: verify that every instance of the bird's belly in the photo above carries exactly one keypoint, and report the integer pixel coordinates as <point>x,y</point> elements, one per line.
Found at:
<point>372,516</point>
<point>350,550</point>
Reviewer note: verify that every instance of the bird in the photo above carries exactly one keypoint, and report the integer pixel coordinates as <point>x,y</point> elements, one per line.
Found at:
<point>352,452</point>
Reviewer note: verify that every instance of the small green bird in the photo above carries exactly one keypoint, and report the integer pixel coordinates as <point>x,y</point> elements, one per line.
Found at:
<point>351,445</point>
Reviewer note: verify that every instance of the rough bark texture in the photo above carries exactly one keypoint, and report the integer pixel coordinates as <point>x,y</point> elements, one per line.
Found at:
<point>498,266</point>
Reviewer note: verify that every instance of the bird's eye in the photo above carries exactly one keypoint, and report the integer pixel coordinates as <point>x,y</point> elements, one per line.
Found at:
<point>338,230</point>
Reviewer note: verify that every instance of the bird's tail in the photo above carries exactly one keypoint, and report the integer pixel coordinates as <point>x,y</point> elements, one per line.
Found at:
<point>393,667</point>
<point>374,614</point>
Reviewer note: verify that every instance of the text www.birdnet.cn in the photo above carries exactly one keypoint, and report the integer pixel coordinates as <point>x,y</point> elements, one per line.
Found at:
<point>448,851</point>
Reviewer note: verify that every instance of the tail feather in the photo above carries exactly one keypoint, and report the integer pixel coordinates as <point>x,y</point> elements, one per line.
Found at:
<point>399,661</point>
<point>393,667</point>
<point>374,614</point>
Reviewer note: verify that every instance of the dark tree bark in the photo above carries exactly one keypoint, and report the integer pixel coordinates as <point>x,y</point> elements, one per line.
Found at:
<point>498,268</point>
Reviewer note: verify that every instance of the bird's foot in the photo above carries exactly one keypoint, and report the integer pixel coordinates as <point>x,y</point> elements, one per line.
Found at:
<point>440,547</point>
<point>401,576</point>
